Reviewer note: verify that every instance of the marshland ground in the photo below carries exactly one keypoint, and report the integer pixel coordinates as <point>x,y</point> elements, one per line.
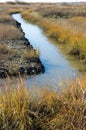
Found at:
<point>16,53</point>
<point>64,23</point>
<point>45,109</point>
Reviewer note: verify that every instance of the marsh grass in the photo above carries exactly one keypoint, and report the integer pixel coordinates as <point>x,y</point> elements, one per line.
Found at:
<point>27,54</point>
<point>9,32</point>
<point>5,18</point>
<point>19,109</point>
<point>13,51</point>
<point>3,49</point>
<point>14,10</point>
<point>8,27</point>
<point>64,31</point>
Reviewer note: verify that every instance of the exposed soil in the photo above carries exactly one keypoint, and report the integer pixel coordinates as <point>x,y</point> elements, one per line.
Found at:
<point>17,56</point>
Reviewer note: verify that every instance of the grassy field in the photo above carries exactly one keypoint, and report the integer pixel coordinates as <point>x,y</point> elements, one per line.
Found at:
<point>65,23</point>
<point>44,109</point>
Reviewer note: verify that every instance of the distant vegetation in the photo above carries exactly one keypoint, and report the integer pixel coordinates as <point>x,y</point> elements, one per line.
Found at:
<point>8,29</point>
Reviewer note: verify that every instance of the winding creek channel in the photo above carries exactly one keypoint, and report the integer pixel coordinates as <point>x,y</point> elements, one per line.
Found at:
<point>57,67</point>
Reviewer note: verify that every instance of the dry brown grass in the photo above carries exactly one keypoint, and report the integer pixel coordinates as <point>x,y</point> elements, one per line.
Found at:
<point>5,18</point>
<point>9,32</point>
<point>27,54</point>
<point>3,49</point>
<point>8,29</point>
<point>50,110</point>
<point>69,31</point>
<point>62,11</point>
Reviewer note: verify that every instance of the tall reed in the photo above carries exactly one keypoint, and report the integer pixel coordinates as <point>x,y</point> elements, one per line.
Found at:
<point>45,110</point>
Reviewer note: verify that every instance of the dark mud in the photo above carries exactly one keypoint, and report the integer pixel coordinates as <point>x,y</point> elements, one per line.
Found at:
<point>13,62</point>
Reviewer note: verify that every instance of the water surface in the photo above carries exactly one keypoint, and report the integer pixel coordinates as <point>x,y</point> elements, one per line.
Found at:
<point>57,67</point>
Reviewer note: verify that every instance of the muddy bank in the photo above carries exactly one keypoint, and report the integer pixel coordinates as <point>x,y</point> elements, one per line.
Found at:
<point>18,56</point>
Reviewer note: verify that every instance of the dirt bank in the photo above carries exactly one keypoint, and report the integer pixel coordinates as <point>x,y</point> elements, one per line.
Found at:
<point>17,56</point>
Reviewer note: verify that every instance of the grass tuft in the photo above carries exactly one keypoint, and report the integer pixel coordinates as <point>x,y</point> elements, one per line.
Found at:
<point>19,109</point>
<point>9,32</point>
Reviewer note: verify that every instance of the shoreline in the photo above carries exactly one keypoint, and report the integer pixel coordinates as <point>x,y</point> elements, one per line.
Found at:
<point>72,46</point>
<point>17,65</point>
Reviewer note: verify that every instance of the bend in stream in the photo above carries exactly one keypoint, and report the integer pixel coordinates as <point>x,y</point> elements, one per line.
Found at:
<point>56,65</point>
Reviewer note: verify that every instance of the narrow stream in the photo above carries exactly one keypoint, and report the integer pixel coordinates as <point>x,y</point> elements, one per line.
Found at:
<point>57,67</point>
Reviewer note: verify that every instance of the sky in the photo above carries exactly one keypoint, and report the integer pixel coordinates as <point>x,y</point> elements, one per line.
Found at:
<point>46,0</point>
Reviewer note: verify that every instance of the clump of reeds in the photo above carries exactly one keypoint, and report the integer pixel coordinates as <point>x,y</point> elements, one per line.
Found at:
<point>9,32</point>
<point>19,109</point>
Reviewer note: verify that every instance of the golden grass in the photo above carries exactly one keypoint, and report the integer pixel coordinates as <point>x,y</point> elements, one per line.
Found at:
<point>14,10</point>
<point>19,109</point>
<point>62,32</point>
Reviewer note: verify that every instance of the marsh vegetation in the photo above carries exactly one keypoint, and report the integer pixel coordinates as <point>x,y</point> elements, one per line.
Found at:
<point>42,108</point>
<point>16,53</point>
<point>65,23</point>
